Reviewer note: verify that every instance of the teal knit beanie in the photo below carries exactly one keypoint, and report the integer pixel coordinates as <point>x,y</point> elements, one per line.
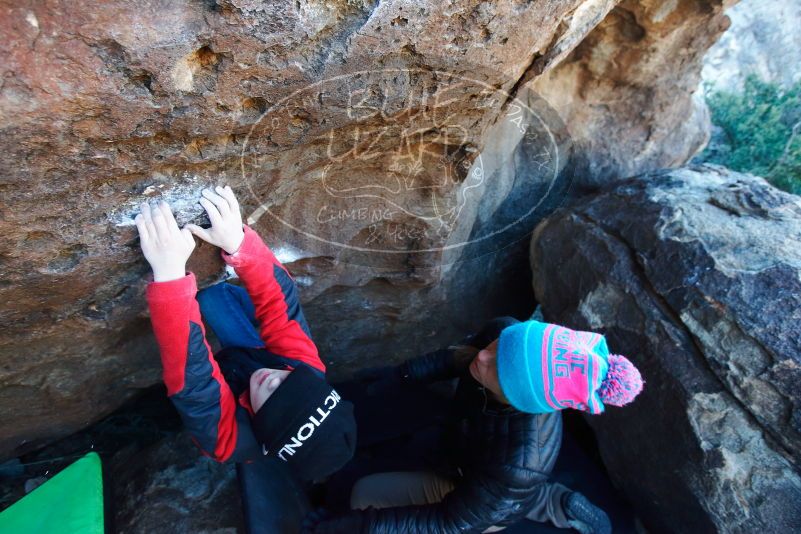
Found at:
<point>545,367</point>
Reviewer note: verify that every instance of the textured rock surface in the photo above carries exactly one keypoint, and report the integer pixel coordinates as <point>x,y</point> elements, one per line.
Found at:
<point>696,274</point>
<point>763,40</point>
<point>105,105</point>
<point>170,488</point>
<point>627,91</point>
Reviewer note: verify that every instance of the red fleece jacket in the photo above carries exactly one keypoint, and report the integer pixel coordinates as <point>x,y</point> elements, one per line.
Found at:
<point>193,378</point>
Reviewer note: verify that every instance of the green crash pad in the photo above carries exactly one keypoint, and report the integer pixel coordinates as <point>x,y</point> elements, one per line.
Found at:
<point>70,502</point>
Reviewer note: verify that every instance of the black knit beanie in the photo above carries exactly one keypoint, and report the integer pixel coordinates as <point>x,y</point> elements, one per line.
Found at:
<point>307,424</point>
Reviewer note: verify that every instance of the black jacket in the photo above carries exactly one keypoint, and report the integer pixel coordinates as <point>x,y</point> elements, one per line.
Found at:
<point>504,455</point>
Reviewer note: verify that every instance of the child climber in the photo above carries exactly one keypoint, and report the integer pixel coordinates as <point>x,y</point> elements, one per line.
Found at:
<point>262,401</point>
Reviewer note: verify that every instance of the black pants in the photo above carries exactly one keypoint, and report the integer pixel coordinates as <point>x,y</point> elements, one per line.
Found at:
<point>273,501</point>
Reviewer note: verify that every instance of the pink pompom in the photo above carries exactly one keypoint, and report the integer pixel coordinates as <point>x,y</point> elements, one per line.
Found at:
<point>622,383</point>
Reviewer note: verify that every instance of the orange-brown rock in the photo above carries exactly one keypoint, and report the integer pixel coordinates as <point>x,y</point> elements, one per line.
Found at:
<point>628,91</point>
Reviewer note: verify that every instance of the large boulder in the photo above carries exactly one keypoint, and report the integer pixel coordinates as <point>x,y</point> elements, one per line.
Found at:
<point>628,92</point>
<point>762,40</point>
<point>385,149</point>
<point>169,487</point>
<point>695,274</point>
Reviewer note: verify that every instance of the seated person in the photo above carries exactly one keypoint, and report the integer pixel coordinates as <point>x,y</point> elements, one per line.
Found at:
<point>502,435</point>
<point>262,401</point>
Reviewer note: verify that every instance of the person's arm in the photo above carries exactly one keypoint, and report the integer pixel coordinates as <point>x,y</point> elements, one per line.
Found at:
<point>473,506</point>
<point>282,326</point>
<point>442,364</point>
<point>193,379</point>
<point>194,382</point>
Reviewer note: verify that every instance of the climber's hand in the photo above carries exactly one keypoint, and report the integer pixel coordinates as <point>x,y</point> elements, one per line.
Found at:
<point>165,247</point>
<point>226,229</point>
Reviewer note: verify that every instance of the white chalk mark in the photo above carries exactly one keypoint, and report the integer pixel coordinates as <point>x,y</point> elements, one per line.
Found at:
<point>230,273</point>
<point>288,253</point>
<point>32,20</point>
<point>182,75</point>
<point>304,281</point>
<point>182,197</point>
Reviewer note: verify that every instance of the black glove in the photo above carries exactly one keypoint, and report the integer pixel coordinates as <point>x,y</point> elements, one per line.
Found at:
<point>321,521</point>
<point>379,379</point>
<point>374,374</point>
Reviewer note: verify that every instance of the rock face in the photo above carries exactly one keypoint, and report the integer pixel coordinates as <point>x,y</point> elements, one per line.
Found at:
<point>763,40</point>
<point>171,488</point>
<point>362,139</point>
<point>696,275</point>
<point>626,92</point>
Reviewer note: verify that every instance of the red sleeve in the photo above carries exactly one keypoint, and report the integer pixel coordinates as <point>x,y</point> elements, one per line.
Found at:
<point>282,326</point>
<point>194,382</point>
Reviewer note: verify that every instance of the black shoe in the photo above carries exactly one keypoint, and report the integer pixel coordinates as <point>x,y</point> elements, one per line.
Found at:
<point>584,516</point>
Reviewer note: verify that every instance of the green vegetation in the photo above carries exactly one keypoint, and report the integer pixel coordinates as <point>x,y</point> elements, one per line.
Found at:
<point>760,132</point>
